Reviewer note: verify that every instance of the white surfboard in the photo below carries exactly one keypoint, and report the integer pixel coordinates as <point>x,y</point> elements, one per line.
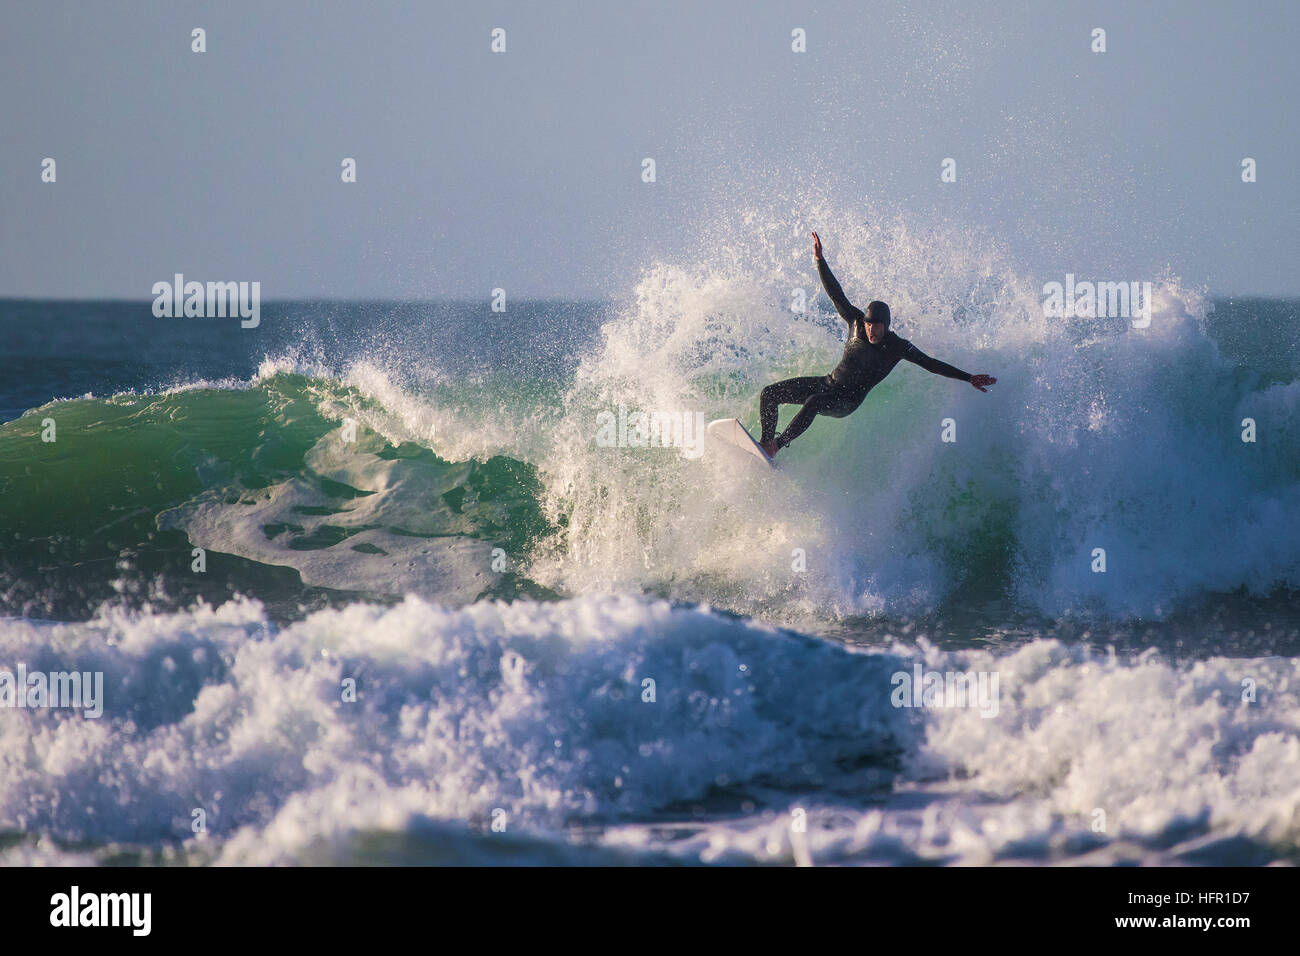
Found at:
<point>730,431</point>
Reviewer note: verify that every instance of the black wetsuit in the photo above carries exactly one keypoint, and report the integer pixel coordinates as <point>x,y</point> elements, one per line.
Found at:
<point>861,369</point>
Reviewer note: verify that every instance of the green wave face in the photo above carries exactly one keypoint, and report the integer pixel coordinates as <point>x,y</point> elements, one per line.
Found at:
<point>289,509</point>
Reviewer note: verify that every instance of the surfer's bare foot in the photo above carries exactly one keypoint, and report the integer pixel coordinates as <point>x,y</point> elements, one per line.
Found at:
<point>769,447</point>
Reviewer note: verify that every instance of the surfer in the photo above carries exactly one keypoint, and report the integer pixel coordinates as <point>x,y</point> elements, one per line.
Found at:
<point>871,353</point>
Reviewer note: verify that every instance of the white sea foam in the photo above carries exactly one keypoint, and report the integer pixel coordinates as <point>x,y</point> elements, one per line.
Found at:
<point>537,711</point>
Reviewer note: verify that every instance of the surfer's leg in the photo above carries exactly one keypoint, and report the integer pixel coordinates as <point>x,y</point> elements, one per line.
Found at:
<point>837,403</point>
<point>811,409</point>
<point>793,391</point>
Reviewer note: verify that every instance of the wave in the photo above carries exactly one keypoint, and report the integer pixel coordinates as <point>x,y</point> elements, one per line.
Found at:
<point>286,472</point>
<point>660,732</point>
<point>1097,438</point>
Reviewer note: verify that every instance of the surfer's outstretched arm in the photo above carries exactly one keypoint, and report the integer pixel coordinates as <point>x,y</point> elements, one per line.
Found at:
<point>847,310</point>
<point>917,357</point>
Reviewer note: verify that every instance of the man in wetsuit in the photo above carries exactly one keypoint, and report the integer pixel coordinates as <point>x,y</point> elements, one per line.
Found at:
<point>871,354</point>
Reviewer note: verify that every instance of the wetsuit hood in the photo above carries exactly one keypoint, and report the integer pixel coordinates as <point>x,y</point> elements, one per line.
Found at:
<point>878,312</point>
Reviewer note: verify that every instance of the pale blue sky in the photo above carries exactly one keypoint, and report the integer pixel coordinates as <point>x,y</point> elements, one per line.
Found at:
<point>523,169</point>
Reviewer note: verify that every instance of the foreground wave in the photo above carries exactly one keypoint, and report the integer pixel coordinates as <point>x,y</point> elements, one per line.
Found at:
<point>537,716</point>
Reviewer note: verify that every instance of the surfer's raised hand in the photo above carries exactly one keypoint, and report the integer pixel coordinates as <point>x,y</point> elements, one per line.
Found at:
<point>982,381</point>
<point>817,246</point>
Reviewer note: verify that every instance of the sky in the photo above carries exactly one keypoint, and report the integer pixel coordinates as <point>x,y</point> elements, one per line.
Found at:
<point>523,169</point>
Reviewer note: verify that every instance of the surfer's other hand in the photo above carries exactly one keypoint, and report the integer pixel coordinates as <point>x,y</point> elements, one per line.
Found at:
<point>982,381</point>
<point>817,246</point>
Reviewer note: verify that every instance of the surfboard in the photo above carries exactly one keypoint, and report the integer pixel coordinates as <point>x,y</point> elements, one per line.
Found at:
<point>731,432</point>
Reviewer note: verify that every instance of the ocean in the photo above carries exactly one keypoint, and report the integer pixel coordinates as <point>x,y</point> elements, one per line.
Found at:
<point>363,586</point>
